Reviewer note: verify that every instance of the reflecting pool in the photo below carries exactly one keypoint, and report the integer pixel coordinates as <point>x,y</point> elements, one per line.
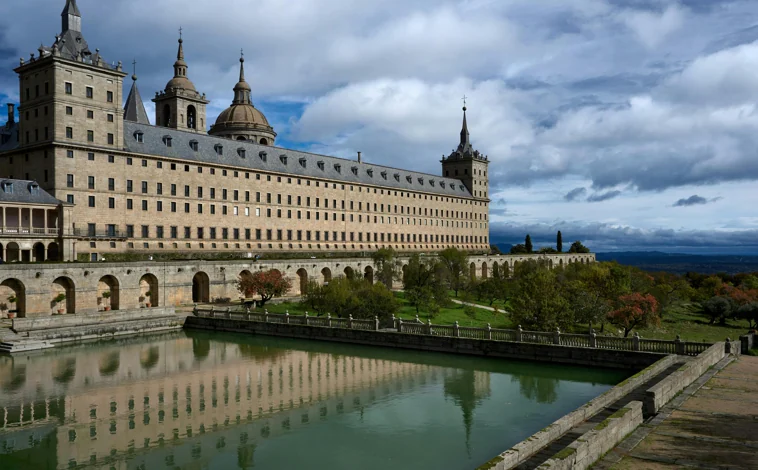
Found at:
<point>201,400</point>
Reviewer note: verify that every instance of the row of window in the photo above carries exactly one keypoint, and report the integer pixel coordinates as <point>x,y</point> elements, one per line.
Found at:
<point>213,233</point>
<point>89,91</point>
<point>280,179</point>
<point>281,246</point>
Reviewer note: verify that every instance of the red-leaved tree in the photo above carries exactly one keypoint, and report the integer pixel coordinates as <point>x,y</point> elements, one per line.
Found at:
<point>267,284</point>
<point>635,310</point>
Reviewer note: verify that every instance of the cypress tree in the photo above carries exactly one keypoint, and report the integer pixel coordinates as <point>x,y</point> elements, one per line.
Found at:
<point>559,244</point>
<point>528,244</point>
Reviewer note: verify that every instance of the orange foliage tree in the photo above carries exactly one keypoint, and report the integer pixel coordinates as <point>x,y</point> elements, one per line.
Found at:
<point>267,284</point>
<point>635,310</point>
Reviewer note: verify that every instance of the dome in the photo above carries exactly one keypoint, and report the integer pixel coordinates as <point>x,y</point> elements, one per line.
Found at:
<point>242,114</point>
<point>180,82</point>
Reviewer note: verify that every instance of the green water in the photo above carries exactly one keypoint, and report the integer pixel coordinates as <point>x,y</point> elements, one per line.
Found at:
<point>196,400</point>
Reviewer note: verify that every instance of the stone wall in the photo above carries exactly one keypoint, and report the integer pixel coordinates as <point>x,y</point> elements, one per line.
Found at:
<point>747,342</point>
<point>525,449</point>
<point>184,282</point>
<point>477,347</point>
<point>22,325</point>
<point>586,450</point>
<point>661,393</point>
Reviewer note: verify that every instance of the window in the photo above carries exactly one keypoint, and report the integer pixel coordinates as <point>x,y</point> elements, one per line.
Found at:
<point>111,203</point>
<point>69,154</point>
<point>91,182</point>
<point>186,191</point>
<point>91,156</point>
<point>111,159</point>
<point>69,88</point>
<point>129,188</point>
<point>144,163</point>
<point>69,181</point>
<point>167,140</point>
<point>173,207</point>
<point>174,231</point>
<point>90,92</point>
<point>110,117</point>
<point>219,149</point>
<point>159,231</point>
<point>90,136</point>
<point>145,231</point>
<point>69,132</point>
<point>90,114</point>
<point>144,204</point>
<point>193,145</point>
<point>159,188</point>
<point>69,111</point>
<point>129,204</point>
<point>109,96</point>
<point>91,201</point>
<point>159,206</point>
<point>173,190</point>
<point>70,198</point>
<point>139,137</point>
<point>144,187</point>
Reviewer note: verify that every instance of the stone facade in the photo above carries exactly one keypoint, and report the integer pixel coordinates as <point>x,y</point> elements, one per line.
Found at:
<point>186,282</point>
<point>141,188</point>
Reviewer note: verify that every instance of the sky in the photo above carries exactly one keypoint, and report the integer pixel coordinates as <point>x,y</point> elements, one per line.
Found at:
<point>629,125</point>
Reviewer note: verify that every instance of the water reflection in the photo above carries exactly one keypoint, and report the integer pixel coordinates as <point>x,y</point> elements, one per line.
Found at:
<point>202,401</point>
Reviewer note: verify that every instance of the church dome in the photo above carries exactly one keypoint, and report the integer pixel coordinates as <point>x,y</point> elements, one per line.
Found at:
<point>180,82</point>
<point>241,120</point>
<point>180,79</point>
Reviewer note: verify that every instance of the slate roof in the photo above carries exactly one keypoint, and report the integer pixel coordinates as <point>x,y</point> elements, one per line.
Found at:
<point>8,137</point>
<point>134,110</point>
<point>22,193</point>
<point>281,160</point>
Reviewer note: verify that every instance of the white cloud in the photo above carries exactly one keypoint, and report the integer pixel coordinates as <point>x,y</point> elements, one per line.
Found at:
<point>652,28</point>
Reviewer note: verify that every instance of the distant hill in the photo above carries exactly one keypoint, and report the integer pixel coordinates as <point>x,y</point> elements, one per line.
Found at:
<point>676,262</point>
<point>682,263</point>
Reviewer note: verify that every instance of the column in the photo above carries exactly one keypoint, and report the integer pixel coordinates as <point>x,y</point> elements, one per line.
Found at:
<point>46,211</point>
<point>5,226</point>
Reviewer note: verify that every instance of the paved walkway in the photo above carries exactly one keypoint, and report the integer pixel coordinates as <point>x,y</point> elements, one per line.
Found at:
<point>485,307</point>
<point>712,425</point>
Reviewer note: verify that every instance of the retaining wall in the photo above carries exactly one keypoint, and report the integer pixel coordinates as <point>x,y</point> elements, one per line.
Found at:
<point>661,393</point>
<point>592,445</point>
<point>537,441</point>
<point>477,347</point>
<point>67,321</point>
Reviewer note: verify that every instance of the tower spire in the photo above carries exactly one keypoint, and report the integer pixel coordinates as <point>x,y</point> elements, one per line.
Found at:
<point>180,66</point>
<point>71,19</point>
<point>242,89</point>
<point>465,143</point>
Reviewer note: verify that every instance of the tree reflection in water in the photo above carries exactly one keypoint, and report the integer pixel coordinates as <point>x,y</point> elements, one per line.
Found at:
<point>201,348</point>
<point>150,358</point>
<point>245,456</point>
<point>65,370</point>
<point>540,389</point>
<point>467,388</point>
<point>110,363</point>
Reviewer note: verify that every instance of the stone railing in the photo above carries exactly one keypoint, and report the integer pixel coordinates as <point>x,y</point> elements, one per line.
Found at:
<point>417,327</point>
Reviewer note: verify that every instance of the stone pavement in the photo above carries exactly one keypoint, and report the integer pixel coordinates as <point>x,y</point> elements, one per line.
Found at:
<point>712,425</point>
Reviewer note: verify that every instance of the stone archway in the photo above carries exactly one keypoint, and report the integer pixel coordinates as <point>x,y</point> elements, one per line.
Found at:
<point>485,273</point>
<point>245,277</point>
<point>472,271</point>
<point>10,288</point>
<point>349,272</point>
<point>327,273</point>
<point>12,252</point>
<point>108,284</point>
<point>63,286</point>
<point>368,274</point>
<point>201,288</point>
<point>148,289</point>
<point>53,252</point>
<point>495,270</point>
<point>38,252</point>
<point>302,274</point>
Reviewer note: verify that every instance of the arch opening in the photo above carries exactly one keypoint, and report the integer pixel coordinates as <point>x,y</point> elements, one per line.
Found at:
<point>11,289</point>
<point>148,290</point>
<point>201,288</point>
<point>327,274</point>
<point>485,272</point>
<point>108,292</point>
<point>38,252</point>
<point>302,274</point>
<point>349,273</point>
<point>12,252</point>
<point>63,299</point>
<point>53,252</point>
<point>472,271</point>
<point>368,274</point>
<point>191,117</point>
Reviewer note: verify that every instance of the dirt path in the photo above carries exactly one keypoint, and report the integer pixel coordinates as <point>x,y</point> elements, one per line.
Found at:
<point>716,427</point>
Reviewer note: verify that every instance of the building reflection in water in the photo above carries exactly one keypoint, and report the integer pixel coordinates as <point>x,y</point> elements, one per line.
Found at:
<point>185,397</point>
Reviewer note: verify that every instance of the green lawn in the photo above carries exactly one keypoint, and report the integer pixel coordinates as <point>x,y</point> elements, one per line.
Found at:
<point>447,315</point>
<point>680,320</point>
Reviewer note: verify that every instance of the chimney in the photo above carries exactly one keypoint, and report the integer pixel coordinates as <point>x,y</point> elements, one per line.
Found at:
<point>11,114</point>
<point>359,157</point>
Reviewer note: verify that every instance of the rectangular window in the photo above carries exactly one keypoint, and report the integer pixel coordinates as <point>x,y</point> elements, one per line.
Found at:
<point>91,156</point>
<point>90,92</point>
<point>225,233</point>
<point>91,201</point>
<point>257,234</point>
<point>173,190</point>
<point>159,231</point>
<point>90,114</point>
<point>187,232</point>
<point>69,132</point>
<point>69,111</point>
<point>186,191</point>
<point>236,195</point>
<point>130,231</point>
<point>129,187</point>
<point>199,208</point>
<point>69,181</point>
<point>69,88</point>
<point>145,231</point>
<point>110,97</point>
<point>159,188</point>
<point>90,136</point>
<point>130,204</point>
<point>173,207</point>
<point>70,198</point>
<point>186,207</point>
<point>128,160</point>
<point>110,117</point>
<point>91,182</point>
<point>111,159</point>
<point>174,231</point>
<point>159,206</point>
<point>144,204</point>
<point>144,187</point>
<point>111,203</point>
<point>213,233</point>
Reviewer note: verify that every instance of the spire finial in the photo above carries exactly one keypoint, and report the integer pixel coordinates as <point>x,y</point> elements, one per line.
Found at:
<point>464,103</point>
<point>180,34</point>
<point>242,66</point>
<point>134,70</point>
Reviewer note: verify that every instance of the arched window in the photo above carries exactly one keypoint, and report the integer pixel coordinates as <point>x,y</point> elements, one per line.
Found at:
<point>191,117</point>
<point>263,141</point>
<point>242,137</point>
<point>166,120</point>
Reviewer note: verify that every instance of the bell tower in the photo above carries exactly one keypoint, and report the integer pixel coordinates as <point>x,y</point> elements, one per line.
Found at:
<point>468,165</point>
<point>180,105</point>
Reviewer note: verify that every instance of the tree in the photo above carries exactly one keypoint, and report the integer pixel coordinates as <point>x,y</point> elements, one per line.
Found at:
<point>528,243</point>
<point>423,283</point>
<point>314,297</point>
<point>267,284</point>
<point>559,242</point>
<point>717,308</point>
<point>519,249</point>
<point>636,310</point>
<point>539,302</point>
<point>455,262</point>
<point>577,247</point>
<point>749,312</point>
<point>385,261</point>
<point>547,250</point>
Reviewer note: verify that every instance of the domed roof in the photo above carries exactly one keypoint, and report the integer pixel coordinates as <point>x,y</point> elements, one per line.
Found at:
<point>180,79</point>
<point>180,82</point>
<point>242,114</point>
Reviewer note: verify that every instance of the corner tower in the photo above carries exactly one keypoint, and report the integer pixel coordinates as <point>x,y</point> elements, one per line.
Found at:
<point>242,120</point>
<point>179,105</point>
<point>468,165</point>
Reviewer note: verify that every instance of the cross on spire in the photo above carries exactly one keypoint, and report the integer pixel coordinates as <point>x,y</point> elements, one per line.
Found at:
<point>134,70</point>
<point>464,102</point>
<point>180,32</point>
